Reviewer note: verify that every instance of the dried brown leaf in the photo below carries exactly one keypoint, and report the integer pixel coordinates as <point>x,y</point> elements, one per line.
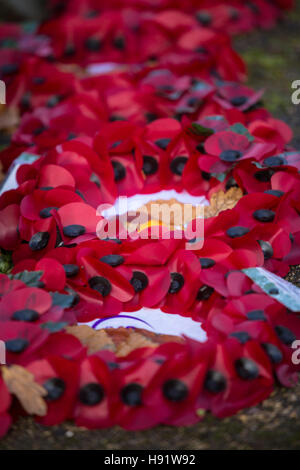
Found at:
<point>221,201</point>
<point>134,341</point>
<point>30,394</point>
<point>94,340</point>
<point>9,118</point>
<point>119,340</point>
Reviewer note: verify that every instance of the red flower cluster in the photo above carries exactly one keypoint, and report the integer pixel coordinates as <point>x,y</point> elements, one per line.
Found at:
<point>174,116</point>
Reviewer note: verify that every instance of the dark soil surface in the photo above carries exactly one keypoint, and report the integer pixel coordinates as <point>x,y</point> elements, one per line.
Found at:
<point>273,58</point>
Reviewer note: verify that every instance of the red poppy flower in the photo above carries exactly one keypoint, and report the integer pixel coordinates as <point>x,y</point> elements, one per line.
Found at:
<point>25,304</point>
<point>92,408</point>
<point>133,376</point>
<point>184,268</point>
<point>23,340</point>
<point>8,285</point>
<point>213,49</point>
<point>59,376</point>
<point>39,237</point>
<point>225,148</point>
<point>62,344</point>
<point>232,95</point>
<point>238,376</point>
<point>118,140</point>
<point>37,85</point>
<point>150,284</point>
<point>174,390</point>
<point>269,325</point>
<point>273,131</point>
<point>107,284</point>
<point>47,127</point>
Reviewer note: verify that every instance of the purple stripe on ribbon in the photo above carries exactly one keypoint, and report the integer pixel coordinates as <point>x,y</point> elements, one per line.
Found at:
<point>101,320</point>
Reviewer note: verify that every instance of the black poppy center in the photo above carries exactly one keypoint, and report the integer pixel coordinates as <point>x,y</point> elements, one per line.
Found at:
<point>239,100</point>
<point>274,192</point>
<point>101,285</point>
<point>273,352</point>
<point>69,50</point>
<point>241,336</point>
<point>207,263</point>
<point>131,394</point>
<point>91,394</point>
<point>285,335</point>
<point>264,215</point>
<point>150,165</point>
<point>39,241</point>
<point>236,232</point>
<point>256,315</point>
<point>163,143</point>
<point>177,282</point>
<point>230,155</point>
<point>93,44</point>
<point>46,212</point>
<point>204,17</point>
<point>246,368</point>
<point>264,176</point>
<point>139,281</point>
<point>71,270</point>
<point>26,314</point>
<point>205,292</point>
<point>16,345</point>
<point>215,382</point>
<point>74,230</point>
<point>55,388</point>
<point>9,69</point>
<point>175,390</point>
<point>119,43</point>
<point>177,165</point>
<point>266,249</point>
<point>113,260</point>
<point>119,170</point>
<point>38,80</point>
<point>275,161</point>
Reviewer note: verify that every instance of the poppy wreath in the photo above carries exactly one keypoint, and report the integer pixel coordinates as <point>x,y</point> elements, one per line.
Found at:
<point>173,114</point>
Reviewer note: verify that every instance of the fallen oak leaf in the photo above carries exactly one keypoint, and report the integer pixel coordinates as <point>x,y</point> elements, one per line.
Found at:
<point>134,341</point>
<point>221,201</point>
<point>120,340</point>
<point>9,118</point>
<point>127,340</point>
<point>30,394</point>
<point>94,340</point>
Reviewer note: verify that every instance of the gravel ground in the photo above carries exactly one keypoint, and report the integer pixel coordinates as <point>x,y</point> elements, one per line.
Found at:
<point>273,60</point>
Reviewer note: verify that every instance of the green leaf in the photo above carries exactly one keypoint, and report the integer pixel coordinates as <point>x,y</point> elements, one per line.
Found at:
<point>199,85</point>
<point>62,300</point>
<point>239,128</point>
<point>219,176</point>
<point>30,27</point>
<point>8,43</point>
<point>200,130</point>
<point>53,326</point>
<point>31,278</point>
<point>258,165</point>
<point>217,117</point>
<point>5,262</point>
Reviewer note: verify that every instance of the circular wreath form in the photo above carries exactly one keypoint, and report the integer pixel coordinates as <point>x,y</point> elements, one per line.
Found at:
<point>132,377</point>
<point>63,274</point>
